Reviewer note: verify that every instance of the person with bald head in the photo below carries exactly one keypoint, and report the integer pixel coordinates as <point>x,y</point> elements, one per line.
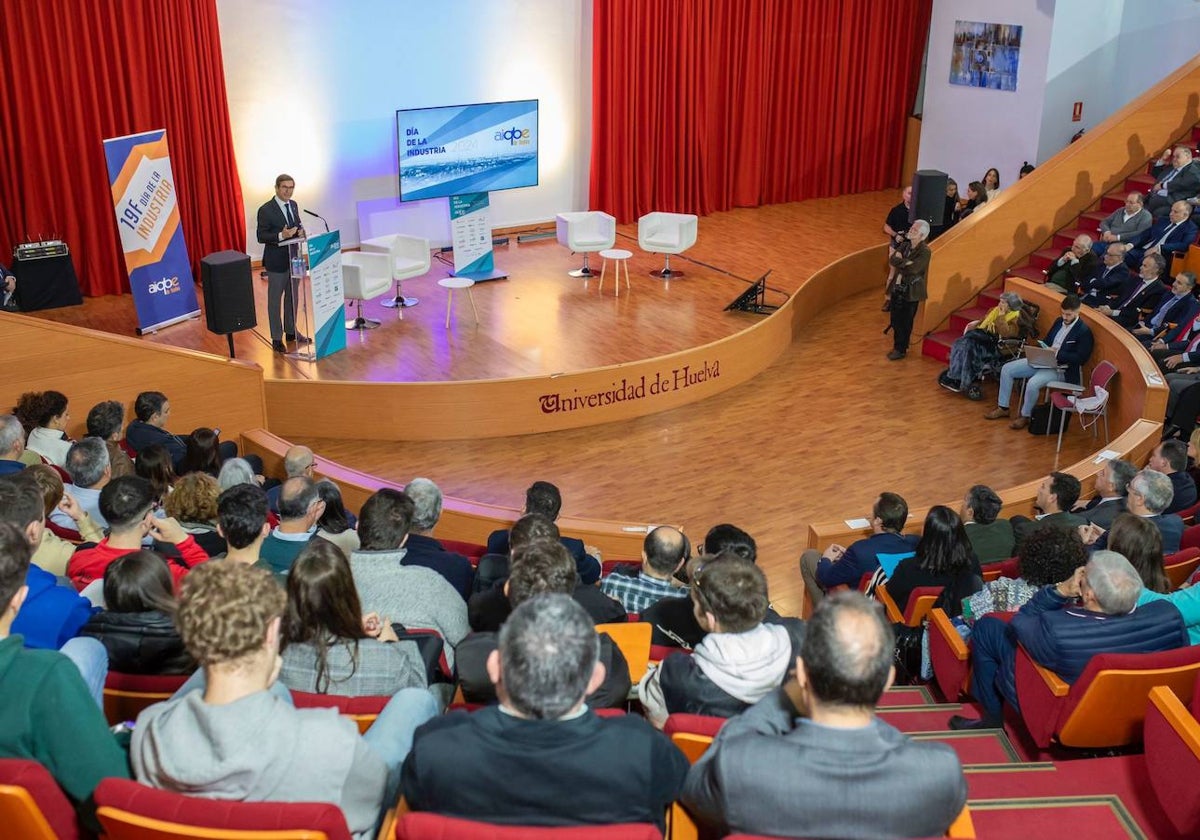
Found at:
<point>1178,180</point>
<point>300,508</point>
<point>1069,272</point>
<point>1124,224</point>
<point>811,759</point>
<point>297,461</point>
<point>1166,238</point>
<point>664,551</point>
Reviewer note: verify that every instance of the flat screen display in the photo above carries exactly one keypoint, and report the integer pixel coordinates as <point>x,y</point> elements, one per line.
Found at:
<point>457,149</point>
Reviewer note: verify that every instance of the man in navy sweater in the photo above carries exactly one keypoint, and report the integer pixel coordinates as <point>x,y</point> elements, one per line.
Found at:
<point>840,566</point>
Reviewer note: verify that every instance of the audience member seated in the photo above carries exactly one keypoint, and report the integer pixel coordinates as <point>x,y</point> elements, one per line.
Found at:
<point>235,471</point>
<point>151,410</point>
<point>813,760</point>
<point>87,465</point>
<point>548,759</point>
<point>1166,238</point>
<point>47,714</point>
<point>840,566</point>
<point>236,739</point>
<point>127,504</point>
<point>1104,286</point>
<point>1125,224</point>
<point>137,624</point>
<point>1056,496</point>
<point>106,421</point>
<point>45,416</point>
<point>539,568</point>
<point>1138,541</point>
<point>493,569</point>
<point>1145,291</point>
<point>1170,459</point>
<point>1112,489</point>
<point>202,453</point>
<point>1149,495</point>
<point>944,559</point>
<point>991,182</point>
<point>664,551</point>
<point>329,645</point>
<point>52,614</point>
<point>1062,627</point>
<point>739,661</point>
<point>298,462</point>
<point>991,538</point>
<point>410,595</point>
<point>976,196</point>
<point>1047,556</point>
<point>154,464</point>
<point>543,497</point>
<point>1071,339</point>
<point>488,610</point>
<point>1178,180</point>
<point>726,538</point>
<point>300,509</point>
<point>978,347</point>
<point>422,549</point>
<point>1174,313</point>
<point>335,524</point>
<point>242,521</point>
<point>53,552</point>
<point>12,445</point>
<point>193,504</point>
<point>1070,272</point>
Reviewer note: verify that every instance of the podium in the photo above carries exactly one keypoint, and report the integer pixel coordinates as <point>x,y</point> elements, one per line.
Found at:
<point>298,269</point>
<point>318,293</point>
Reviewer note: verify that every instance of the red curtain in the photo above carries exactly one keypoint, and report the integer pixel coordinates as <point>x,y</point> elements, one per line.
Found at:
<point>703,105</point>
<point>76,72</point>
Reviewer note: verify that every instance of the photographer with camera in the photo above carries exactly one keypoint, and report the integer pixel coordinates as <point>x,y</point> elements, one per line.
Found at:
<point>896,226</point>
<point>911,261</point>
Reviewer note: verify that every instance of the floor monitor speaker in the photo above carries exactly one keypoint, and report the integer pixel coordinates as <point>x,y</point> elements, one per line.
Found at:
<point>228,292</point>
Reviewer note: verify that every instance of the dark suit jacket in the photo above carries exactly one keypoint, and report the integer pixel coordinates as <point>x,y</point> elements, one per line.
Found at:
<point>271,223</point>
<point>1180,313</point>
<point>428,552</point>
<point>1103,513</point>
<point>1169,526</point>
<point>587,565</point>
<point>1184,185</point>
<point>1148,298</point>
<point>1078,272</point>
<point>1181,237</point>
<point>1185,491</point>
<point>1076,349</point>
<point>1099,287</point>
<point>1023,526</point>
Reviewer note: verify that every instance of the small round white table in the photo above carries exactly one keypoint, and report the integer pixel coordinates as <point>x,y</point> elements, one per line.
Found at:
<point>621,257</point>
<point>452,283</point>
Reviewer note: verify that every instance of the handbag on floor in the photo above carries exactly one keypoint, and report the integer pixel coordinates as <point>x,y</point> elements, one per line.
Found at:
<point>1045,420</point>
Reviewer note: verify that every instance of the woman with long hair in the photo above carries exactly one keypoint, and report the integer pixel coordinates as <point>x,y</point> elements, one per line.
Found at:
<point>1139,542</point>
<point>976,195</point>
<point>154,464</point>
<point>331,647</point>
<point>991,182</point>
<point>944,558</point>
<point>137,625</point>
<point>203,452</point>
<point>45,415</point>
<point>334,524</point>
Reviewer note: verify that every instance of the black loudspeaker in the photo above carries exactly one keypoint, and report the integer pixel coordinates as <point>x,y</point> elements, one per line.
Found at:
<point>228,292</point>
<point>929,196</point>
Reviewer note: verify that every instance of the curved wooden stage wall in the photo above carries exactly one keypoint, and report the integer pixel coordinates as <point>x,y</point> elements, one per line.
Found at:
<point>1026,214</point>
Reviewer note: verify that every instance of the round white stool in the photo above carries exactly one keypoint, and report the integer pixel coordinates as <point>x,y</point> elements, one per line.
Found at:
<point>621,257</point>
<point>452,283</point>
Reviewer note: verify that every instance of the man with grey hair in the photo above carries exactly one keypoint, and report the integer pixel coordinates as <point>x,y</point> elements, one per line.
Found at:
<point>423,549</point>
<point>812,759</point>
<point>88,466</point>
<point>1112,490</point>
<point>300,508</point>
<point>1173,315</point>
<point>1063,626</point>
<point>1178,180</point>
<point>1068,273</point>
<point>1145,291</point>
<point>911,261</point>
<point>1107,279</point>
<point>297,461</point>
<point>1150,493</point>
<point>12,444</point>
<point>542,748</point>
<point>1166,238</point>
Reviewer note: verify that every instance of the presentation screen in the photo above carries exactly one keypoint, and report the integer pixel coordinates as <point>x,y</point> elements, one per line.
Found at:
<point>457,149</point>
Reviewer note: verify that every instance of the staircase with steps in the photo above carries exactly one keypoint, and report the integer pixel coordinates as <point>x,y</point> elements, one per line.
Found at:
<point>937,344</point>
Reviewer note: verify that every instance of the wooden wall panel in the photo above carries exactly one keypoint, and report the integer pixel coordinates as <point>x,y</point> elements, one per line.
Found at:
<point>90,366</point>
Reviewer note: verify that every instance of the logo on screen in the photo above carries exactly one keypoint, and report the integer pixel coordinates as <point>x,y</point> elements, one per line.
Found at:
<point>165,286</point>
<point>515,136</point>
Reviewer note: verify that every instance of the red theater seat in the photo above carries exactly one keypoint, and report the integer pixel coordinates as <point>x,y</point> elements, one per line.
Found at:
<point>1172,737</point>
<point>421,825</point>
<point>32,806</point>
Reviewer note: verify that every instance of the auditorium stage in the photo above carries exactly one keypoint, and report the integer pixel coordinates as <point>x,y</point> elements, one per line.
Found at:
<point>814,437</point>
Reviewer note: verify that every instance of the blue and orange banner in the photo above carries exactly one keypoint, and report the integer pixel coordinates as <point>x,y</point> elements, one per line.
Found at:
<point>156,257</point>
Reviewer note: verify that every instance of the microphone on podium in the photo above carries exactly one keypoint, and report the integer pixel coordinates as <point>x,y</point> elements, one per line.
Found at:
<point>318,216</point>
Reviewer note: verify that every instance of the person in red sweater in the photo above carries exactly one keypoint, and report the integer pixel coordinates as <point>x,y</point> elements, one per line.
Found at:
<point>128,505</point>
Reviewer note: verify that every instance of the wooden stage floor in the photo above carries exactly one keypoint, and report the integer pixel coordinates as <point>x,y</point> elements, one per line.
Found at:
<point>815,437</point>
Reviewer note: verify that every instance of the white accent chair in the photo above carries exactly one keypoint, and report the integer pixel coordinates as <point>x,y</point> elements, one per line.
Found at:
<point>364,277</point>
<point>667,234</point>
<point>585,233</point>
<point>410,258</point>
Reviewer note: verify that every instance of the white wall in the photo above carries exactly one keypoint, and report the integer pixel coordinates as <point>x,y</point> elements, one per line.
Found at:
<point>1156,39</point>
<point>313,87</point>
<point>965,130</point>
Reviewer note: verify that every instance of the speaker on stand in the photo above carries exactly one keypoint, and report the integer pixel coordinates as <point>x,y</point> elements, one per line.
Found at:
<point>228,294</point>
<point>929,197</point>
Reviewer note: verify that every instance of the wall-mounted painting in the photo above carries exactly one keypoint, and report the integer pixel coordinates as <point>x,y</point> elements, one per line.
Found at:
<point>985,55</point>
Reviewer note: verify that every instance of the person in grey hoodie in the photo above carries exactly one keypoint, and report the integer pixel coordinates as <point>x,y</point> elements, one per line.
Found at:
<point>238,738</point>
<point>739,661</point>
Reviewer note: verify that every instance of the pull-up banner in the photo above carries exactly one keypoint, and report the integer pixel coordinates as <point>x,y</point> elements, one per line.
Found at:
<point>156,257</point>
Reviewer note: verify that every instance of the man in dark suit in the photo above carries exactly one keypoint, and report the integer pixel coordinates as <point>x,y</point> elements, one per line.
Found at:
<point>1168,237</point>
<point>1170,459</point>
<point>1150,492</point>
<point>278,221</point>
<point>543,497</point>
<point>1056,495</point>
<point>1107,279</point>
<point>1112,487</point>
<point>1077,263</point>
<point>811,759</point>
<point>1178,180</point>
<point>1146,292</point>
<point>1173,315</point>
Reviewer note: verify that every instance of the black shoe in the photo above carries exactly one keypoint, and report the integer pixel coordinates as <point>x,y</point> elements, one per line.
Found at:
<point>949,384</point>
<point>278,346</point>
<point>896,355</point>
<point>299,338</point>
<point>959,723</point>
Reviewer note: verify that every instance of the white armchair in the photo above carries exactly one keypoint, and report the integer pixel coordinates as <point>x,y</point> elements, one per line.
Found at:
<point>585,233</point>
<point>364,277</point>
<point>667,234</point>
<point>410,258</point>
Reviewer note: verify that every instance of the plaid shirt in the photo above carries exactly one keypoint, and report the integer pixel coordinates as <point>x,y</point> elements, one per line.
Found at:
<point>639,593</point>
